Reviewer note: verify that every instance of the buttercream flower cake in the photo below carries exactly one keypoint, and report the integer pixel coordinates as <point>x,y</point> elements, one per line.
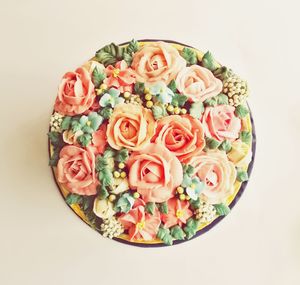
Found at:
<point>151,142</point>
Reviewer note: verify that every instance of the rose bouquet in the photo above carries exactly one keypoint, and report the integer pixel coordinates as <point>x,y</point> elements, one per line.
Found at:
<point>150,141</point>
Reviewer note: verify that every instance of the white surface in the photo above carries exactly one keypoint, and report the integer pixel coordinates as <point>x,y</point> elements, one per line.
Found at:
<point>43,242</point>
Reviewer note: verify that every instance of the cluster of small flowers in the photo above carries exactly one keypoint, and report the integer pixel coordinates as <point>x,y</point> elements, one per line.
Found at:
<point>111,228</point>
<point>206,213</point>
<point>236,89</point>
<point>55,122</point>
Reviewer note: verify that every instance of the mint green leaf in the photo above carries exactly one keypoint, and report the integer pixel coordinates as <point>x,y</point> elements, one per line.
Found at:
<point>223,73</point>
<point>73,199</point>
<point>222,99</point>
<point>222,209</point>
<point>101,163</point>
<point>55,157</point>
<point>197,109</point>
<point>188,169</point>
<point>241,175</point>
<point>109,54</point>
<point>245,136</point>
<point>172,85</point>
<point>195,204</point>
<point>106,112</point>
<point>164,235</point>
<point>241,111</point>
<point>150,207</point>
<point>191,227</point>
<point>54,137</point>
<point>124,203</point>
<point>109,153</point>
<point>177,233</point>
<point>211,102</point>
<point>209,62</point>
<point>189,55</point>
<point>179,100</point>
<point>65,125</point>
<point>211,143</point>
<point>132,47</point>
<point>97,77</point>
<point>84,139</point>
<point>159,111</point>
<point>186,181</point>
<point>163,208</point>
<point>225,146</point>
<point>122,155</point>
<point>102,192</point>
<point>76,126</point>
<point>106,177</point>
<point>139,88</point>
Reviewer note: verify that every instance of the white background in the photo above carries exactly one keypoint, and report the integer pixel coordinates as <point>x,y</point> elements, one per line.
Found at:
<point>43,242</point>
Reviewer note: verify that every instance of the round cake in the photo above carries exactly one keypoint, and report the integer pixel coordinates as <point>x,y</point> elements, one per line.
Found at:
<point>151,142</point>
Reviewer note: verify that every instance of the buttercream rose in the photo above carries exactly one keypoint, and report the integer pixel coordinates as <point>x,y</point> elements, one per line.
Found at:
<point>75,93</point>
<point>157,61</point>
<point>221,123</point>
<point>130,126</point>
<point>182,135</point>
<point>198,83</point>
<point>76,170</point>
<point>218,174</point>
<point>154,172</point>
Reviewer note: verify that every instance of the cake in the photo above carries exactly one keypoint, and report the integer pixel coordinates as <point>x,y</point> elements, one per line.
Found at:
<point>151,142</point>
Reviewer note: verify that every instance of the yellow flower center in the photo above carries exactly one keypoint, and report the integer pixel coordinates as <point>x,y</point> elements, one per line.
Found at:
<point>193,186</point>
<point>141,225</point>
<point>179,214</point>
<point>88,123</point>
<point>116,72</point>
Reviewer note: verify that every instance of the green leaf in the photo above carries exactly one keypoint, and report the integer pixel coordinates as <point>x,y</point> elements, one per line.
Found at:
<point>122,155</point>
<point>159,111</point>
<point>54,138</point>
<point>163,208</point>
<point>177,233</point>
<point>211,102</point>
<point>73,199</point>
<point>189,55</point>
<point>139,88</point>
<point>150,207</point>
<point>241,111</point>
<point>132,47</point>
<point>241,175</point>
<point>191,227</point>
<point>209,62</point>
<point>197,109</point>
<point>128,58</point>
<point>245,136</point>
<point>98,77</point>
<point>222,99</point>
<point>164,235</point>
<point>109,153</point>
<point>211,143</point>
<point>222,209</point>
<point>225,146</point>
<point>109,54</point>
<point>188,169</point>
<point>106,112</point>
<point>102,192</point>
<point>55,157</point>
<point>179,100</point>
<point>101,163</point>
<point>65,125</point>
<point>195,204</point>
<point>186,181</point>
<point>87,202</point>
<point>124,203</point>
<point>223,73</point>
<point>75,125</point>
<point>84,139</point>
<point>106,177</point>
<point>172,85</point>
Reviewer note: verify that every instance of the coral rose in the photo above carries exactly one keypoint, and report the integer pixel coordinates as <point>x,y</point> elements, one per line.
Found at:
<point>130,126</point>
<point>99,139</point>
<point>76,170</point>
<point>182,135</point>
<point>154,172</point>
<point>75,93</point>
<point>198,83</point>
<point>139,223</point>
<point>218,174</point>
<point>178,213</point>
<point>157,61</point>
<point>221,123</point>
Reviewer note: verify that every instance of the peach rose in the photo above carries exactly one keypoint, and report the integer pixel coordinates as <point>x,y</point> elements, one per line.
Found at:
<point>157,61</point>
<point>218,174</point>
<point>198,83</point>
<point>99,139</point>
<point>182,135</point>
<point>221,123</point>
<point>155,173</point>
<point>75,93</point>
<point>130,126</point>
<point>76,170</point>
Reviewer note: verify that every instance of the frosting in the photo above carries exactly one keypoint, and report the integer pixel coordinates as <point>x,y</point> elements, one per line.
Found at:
<point>198,83</point>
<point>182,135</point>
<point>99,139</point>
<point>240,153</point>
<point>103,208</point>
<point>155,173</point>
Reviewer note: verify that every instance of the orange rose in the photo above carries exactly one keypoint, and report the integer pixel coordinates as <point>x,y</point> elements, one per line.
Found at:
<point>130,126</point>
<point>157,61</point>
<point>182,135</point>
<point>155,173</point>
<point>198,83</point>
<point>75,93</point>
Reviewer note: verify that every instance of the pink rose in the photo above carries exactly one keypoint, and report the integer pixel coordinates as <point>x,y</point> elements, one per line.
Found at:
<point>75,93</point>
<point>157,61</point>
<point>182,135</point>
<point>198,83</point>
<point>221,123</point>
<point>139,223</point>
<point>76,170</point>
<point>178,213</point>
<point>217,173</point>
<point>154,172</point>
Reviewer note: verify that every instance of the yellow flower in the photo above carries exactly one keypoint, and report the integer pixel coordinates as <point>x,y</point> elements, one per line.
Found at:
<point>240,153</point>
